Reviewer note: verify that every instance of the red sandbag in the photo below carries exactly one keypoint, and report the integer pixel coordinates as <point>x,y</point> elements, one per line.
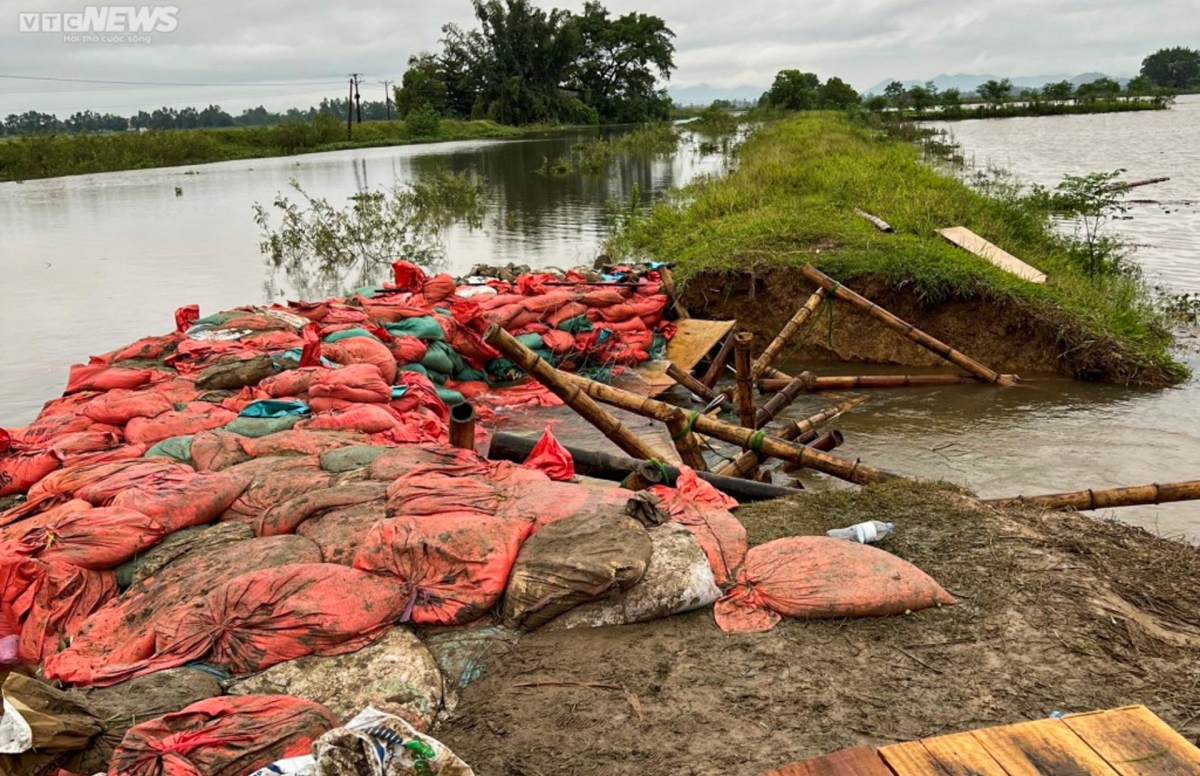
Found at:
<point>51,423</point>
<point>420,394</point>
<point>301,442</point>
<point>559,342</point>
<point>362,350</point>
<point>358,383</point>
<point>20,578</point>
<point>704,512</point>
<point>551,458</point>
<point>367,418</point>
<point>96,483</point>
<point>145,349</point>
<point>266,617</point>
<point>286,517</point>
<point>95,440</point>
<point>818,577</point>
<point>122,453</point>
<point>431,490</point>
<point>339,532</point>
<point>532,394</point>
<point>21,471</point>
<point>601,298</point>
<point>66,595</point>
<point>438,289</point>
<point>197,417</point>
<point>101,377</point>
<point>313,311</point>
<point>196,500</point>
<point>214,451</point>
<point>95,538</point>
<point>270,341</point>
<point>223,736</point>
<point>118,407</point>
<point>186,316</point>
<point>408,276</point>
<point>292,382</point>
<point>273,483</point>
<point>454,567</point>
<point>408,350</point>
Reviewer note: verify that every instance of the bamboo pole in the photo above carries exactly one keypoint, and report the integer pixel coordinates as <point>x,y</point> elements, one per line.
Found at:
<point>1108,498</point>
<point>827,442</point>
<point>510,447</point>
<point>845,383</point>
<point>462,426</point>
<point>878,222</point>
<point>570,393</point>
<point>1135,184</point>
<point>783,399</point>
<point>792,432</point>
<point>789,332</point>
<point>718,364</point>
<point>668,282</point>
<point>932,344</point>
<point>697,388</point>
<point>685,442</point>
<point>745,378</point>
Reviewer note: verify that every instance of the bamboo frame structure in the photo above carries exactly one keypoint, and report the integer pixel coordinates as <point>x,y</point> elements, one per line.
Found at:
<point>788,333</point>
<point>783,399</point>
<point>847,382</point>
<point>668,283</point>
<point>930,343</point>
<point>722,358</point>
<point>827,442</point>
<point>744,393</point>
<point>570,393</point>
<point>462,426</point>
<point>793,432</point>
<point>1107,498</point>
<point>685,442</point>
<point>697,388</point>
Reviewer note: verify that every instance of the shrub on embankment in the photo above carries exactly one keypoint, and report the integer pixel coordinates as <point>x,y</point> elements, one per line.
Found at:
<point>793,198</point>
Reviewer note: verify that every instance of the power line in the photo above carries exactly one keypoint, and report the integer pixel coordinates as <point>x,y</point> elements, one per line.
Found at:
<point>159,83</point>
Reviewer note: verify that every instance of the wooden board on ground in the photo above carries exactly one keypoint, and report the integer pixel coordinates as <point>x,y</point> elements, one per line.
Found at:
<point>969,241</point>
<point>1135,742</point>
<point>691,343</point>
<point>859,762</point>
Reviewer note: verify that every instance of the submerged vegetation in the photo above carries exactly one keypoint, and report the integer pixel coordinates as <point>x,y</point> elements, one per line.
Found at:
<point>594,156</point>
<point>793,200</point>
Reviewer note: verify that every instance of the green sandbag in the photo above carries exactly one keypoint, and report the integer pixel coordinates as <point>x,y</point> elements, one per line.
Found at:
<point>347,459</point>
<point>178,448</point>
<point>424,328</point>
<point>577,325</point>
<point>532,341</point>
<point>338,336</point>
<point>449,397</point>
<point>217,319</point>
<point>415,368</point>
<point>658,347</point>
<point>261,427</point>
<point>369,291</point>
<point>440,357</point>
<point>437,378</point>
<point>470,375</point>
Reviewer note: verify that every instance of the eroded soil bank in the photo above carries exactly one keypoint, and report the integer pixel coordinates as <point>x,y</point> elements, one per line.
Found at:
<point>1000,331</point>
<point>1057,613</point>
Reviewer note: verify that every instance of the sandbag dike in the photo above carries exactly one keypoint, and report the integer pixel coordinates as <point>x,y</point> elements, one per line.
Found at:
<point>1007,334</point>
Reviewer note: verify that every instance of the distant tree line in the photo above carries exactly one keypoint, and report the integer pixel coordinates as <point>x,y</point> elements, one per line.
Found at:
<point>35,123</point>
<point>525,65</point>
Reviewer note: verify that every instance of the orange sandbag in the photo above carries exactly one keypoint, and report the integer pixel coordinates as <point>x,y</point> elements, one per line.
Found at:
<point>21,471</point>
<point>362,350</point>
<point>102,377</point>
<point>66,596</point>
<point>213,451</point>
<point>196,417</point>
<point>559,342</point>
<point>420,393</point>
<point>269,616</point>
<point>367,418</point>
<point>438,288</point>
<point>273,482</point>
<point>145,349</point>
<point>301,442</point>
<point>816,577</point>
<point>453,567</point>
<point>96,538</point>
<point>704,512</point>
<point>95,440</point>
<point>194,500</point>
<point>223,736</point>
<point>292,382</point>
<point>550,457</point>
<point>286,517</point>
<point>357,382</point>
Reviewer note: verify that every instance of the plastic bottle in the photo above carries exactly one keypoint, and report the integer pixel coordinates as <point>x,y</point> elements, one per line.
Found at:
<point>863,533</point>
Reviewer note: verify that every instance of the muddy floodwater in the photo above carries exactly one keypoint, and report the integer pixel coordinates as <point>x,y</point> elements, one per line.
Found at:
<point>92,262</point>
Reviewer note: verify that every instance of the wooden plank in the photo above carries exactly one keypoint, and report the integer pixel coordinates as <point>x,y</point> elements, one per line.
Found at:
<point>1042,748</point>
<point>963,755</point>
<point>911,759</point>
<point>969,241</point>
<point>1135,742</point>
<point>691,343</point>
<point>850,762</point>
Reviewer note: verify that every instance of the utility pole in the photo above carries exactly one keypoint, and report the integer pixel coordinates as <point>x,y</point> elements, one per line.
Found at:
<point>387,96</point>
<point>349,112</point>
<point>357,97</point>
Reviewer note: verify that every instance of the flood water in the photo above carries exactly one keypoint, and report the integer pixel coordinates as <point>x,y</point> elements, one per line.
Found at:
<point>92,262</point>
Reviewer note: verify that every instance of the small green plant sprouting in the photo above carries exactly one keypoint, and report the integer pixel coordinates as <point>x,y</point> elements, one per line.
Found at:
<point>1092,201</point>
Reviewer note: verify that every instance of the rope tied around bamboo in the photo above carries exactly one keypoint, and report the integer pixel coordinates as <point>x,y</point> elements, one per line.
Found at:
<point>748,461</point>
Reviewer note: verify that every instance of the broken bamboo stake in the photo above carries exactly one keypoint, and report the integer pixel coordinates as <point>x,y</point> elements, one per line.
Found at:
<point>1107,498</point>
<point>697,388</point>
<point>718,365</point>
<point>1134,184</point>
<point>827,442</point>
<point>743,366</point>
<point>932,344</point>
<point>848,382</point>
<point>617,468</point>
<point>668,283</point>
<point>758,441</point>
<point>792,432</point>
<point>685,441</point>
<point>879,223</point>
<point>783,398</point>
<point>570,393</point>
<point>789,332</point>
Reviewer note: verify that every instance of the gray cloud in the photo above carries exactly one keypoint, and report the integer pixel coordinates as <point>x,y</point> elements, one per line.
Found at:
<point>722,43</point>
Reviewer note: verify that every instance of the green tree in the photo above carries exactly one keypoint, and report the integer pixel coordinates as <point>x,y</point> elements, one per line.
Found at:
<point>876,103</point>
<point>423,83</point>
<point>922,97</point>
<point>1141,85</point>
<point>619,62</point>
<point>1059,91</point>
<point>894,92</point>
<point>794,90</point>
<point>836,93</point>
<point>950,99</point>
<point>1173,68</point>
<point>1099,89</point>
<point>994,92</point>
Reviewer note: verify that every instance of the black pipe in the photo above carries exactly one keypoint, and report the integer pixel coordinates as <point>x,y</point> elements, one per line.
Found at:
<point>510,447</point>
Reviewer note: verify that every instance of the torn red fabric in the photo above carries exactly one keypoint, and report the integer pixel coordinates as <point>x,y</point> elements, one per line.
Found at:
<point>551,457</point>
<point>186,316</point>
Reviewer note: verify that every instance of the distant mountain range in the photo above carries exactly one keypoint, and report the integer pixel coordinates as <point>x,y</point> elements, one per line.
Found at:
<point>967,82</point>
<point>703,94</point>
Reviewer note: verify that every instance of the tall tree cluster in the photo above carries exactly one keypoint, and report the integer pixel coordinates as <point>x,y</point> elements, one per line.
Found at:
<point>1173,68</point>
<point>796,90</point>
<point>525,65</point>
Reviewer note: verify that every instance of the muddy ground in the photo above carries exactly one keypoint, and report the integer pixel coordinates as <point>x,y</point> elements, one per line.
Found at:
<point>1058,613</point>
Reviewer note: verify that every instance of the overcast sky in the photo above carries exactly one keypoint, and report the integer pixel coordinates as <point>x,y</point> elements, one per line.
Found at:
<point>304,48</point>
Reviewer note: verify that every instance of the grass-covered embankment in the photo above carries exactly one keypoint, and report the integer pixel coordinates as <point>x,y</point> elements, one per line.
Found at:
<point>47,156</point>
<point>792,201</point>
